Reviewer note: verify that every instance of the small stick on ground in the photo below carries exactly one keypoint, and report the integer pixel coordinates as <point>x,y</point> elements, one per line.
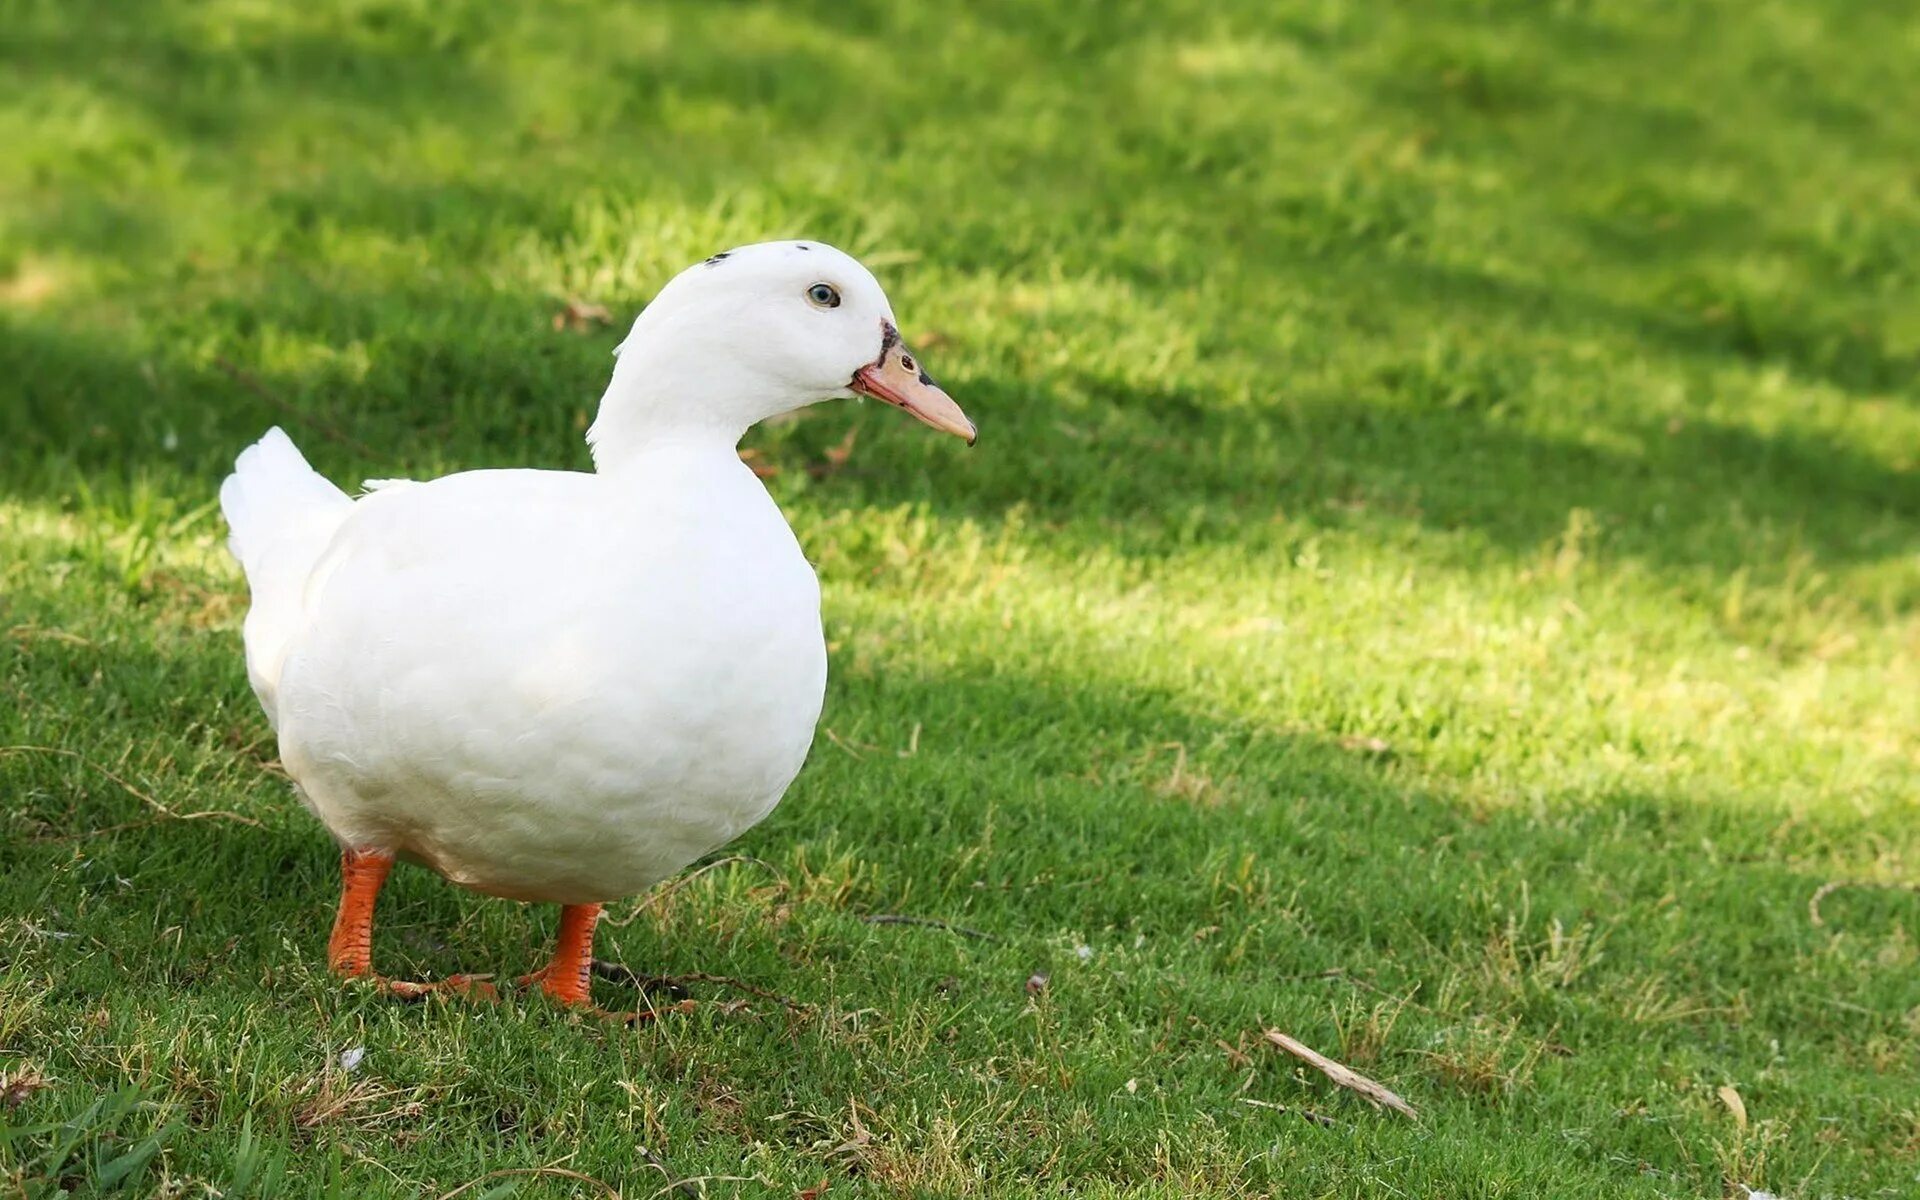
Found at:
<point>677,983</point>
<point>1828,889</point>
<point>249,381</point>
<point>1343,1075</point>
<point>929,923</point>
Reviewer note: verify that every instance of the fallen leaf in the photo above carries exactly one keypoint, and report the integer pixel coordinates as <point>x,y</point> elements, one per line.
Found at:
<point>578,314</point>
<point>815,1192</point>
<point>1345,1076</point>
<point>1735,1105</point>
<point>836,456</point>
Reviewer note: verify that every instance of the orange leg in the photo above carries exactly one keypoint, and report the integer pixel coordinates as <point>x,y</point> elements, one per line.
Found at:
<point>362,873</point>
<point>569,976</point>
<point>350,949</point>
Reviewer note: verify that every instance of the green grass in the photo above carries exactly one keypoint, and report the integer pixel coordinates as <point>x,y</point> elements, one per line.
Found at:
<point>1440,577</point>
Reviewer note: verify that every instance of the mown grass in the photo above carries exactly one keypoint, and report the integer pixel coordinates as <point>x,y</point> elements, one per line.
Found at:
<point>1438,577</point>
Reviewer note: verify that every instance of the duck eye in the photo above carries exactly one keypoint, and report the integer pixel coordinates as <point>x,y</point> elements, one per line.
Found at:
<point>825,295</point>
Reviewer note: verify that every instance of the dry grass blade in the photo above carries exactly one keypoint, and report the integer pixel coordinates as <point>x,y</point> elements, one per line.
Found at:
<point>165,812</point>
<point>857,750</point>
<point>836,456</point>
<point>667,891</point>
<point>560,1172</point>
<point>679,1186</point>
<point>1828,889</point>
<point>1730,1096</point>
<point>1346,976</point>
<point>1343,1075</point>
<point>696,1185</point>
<point>1305,1114</point>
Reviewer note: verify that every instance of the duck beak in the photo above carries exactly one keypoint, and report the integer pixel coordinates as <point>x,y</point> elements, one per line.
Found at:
<point>897,378</point>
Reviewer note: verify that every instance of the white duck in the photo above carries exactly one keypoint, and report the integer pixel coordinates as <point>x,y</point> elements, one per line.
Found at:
<point>559,686</point>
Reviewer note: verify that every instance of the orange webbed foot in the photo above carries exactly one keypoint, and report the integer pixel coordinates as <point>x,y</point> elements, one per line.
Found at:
<point>581,1000</point>
<point>567,980</point>
<point>477,987</point>
<point>350,949</point>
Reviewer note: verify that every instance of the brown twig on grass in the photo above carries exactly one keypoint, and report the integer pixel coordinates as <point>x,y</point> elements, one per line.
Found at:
<point>1341,1074</point>
<point>249,381</point>
<point>930,923</point>
<point>619,973</point>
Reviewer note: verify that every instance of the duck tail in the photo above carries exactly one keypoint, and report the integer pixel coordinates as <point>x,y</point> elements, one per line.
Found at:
<point>282,514</point>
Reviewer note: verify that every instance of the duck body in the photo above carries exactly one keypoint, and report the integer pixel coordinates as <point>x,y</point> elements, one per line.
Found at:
<point>562,686</point>
<point>550,685</point>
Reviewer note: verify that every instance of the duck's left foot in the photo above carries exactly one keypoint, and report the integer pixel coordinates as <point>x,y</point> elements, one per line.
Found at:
<point>557,989</point>
<point>350,949</point>
<point>568,979</point>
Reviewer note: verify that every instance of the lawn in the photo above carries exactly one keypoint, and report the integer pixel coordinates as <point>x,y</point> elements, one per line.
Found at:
<point>1440,577</point>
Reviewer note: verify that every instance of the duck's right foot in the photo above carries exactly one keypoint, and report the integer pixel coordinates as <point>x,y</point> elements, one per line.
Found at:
<point>474,986</point>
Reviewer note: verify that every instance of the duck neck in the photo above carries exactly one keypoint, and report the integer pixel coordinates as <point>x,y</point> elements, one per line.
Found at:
<point>643,413</point>
<point>621,439</point>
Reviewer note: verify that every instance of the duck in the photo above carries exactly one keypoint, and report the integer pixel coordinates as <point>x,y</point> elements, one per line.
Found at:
<point>564,687</point>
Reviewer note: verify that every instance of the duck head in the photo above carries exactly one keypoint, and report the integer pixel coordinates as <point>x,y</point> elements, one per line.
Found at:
<point>754,332</point>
